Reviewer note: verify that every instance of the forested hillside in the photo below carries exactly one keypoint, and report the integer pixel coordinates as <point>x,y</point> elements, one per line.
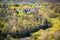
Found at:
<point>30,20</point>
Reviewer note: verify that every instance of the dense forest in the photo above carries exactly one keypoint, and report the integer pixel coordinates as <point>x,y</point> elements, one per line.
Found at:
<point>29,19</point>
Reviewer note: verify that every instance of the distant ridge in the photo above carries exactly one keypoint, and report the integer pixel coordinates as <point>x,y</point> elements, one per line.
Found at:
<point>38,0</point>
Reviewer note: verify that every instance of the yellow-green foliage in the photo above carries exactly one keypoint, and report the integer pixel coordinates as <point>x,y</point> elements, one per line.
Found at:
<point>49,33</point>
<point>26,23</point>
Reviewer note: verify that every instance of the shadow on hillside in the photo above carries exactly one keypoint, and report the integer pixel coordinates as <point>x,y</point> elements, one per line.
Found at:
<point>28,33</point>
